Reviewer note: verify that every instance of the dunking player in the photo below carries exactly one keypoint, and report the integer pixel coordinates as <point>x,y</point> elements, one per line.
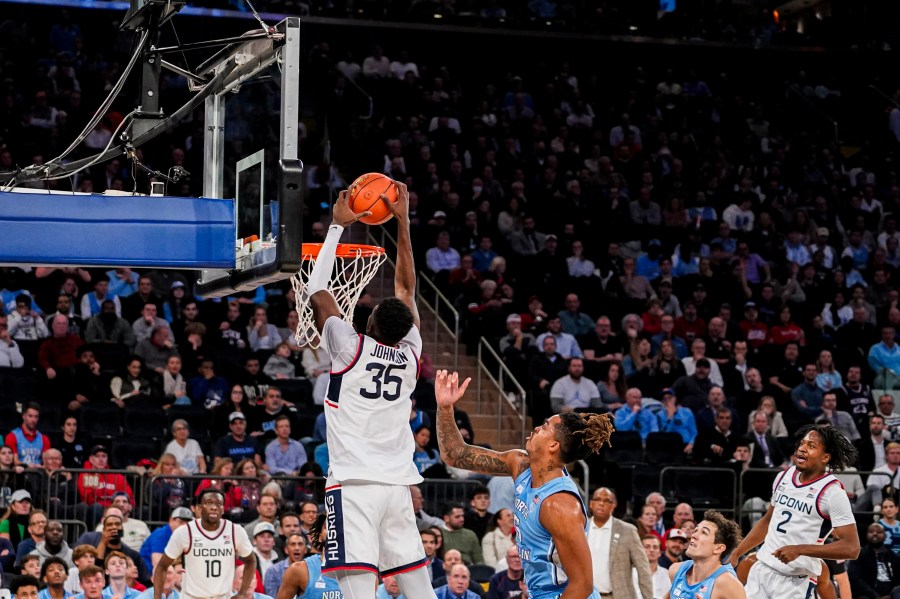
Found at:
<point>808,504</point>
<point>704,576</point>
<point>209,546</point>
<point>371,525</point>
<point>304,580</point>
<point>551,519</point>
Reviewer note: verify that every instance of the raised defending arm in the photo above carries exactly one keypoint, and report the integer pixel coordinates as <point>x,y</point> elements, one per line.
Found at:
<point>454,450</point>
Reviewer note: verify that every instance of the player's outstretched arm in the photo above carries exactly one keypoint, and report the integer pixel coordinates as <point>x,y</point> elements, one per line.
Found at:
<point>755,537</point>
<point>295,580</point>
<point>159,575</point>
<point>562,516</point>
<point>455,452</point>
<point>323,304</point>
<point>249,579</point>
<point>405,271</point>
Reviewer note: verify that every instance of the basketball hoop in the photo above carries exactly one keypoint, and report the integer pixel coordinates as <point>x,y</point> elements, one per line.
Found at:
<point>354,267</point>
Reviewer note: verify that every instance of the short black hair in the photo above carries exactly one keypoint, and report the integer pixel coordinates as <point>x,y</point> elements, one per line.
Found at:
<point>24,580</point>
<point>448,508</point>
<point>54,560</point>
<point>482,490</point>
<point>210,491</point>
<point>392,319</point>
<point>23,298</point>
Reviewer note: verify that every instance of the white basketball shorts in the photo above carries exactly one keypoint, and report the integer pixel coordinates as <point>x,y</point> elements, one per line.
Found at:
<point>371,526</point>
<point>765,583</point>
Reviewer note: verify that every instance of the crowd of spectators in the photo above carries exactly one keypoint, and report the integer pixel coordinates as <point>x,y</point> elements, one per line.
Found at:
<point>676,251</point>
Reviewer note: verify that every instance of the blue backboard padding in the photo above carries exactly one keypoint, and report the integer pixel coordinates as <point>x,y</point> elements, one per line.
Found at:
<point>98,230</point>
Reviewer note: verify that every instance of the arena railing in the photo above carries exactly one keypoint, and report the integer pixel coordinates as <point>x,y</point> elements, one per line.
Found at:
<point>504,376</point>
<point>705,487</point>
<point>183,491</point>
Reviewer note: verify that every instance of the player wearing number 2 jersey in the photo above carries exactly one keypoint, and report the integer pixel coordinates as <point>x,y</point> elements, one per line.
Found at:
<point>209,546</point>
<point>808,505</point>
<point>370,520</point>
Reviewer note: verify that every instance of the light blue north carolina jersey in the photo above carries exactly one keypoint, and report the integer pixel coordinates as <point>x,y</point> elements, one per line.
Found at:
<point>319,587</point>
<point>543,572</point>
<point>702,590</point>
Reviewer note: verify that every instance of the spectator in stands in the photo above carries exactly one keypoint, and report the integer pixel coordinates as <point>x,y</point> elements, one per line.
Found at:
<point>279,365</point>
<point>73,446</point>
<point>884,360</point>
<point>884,481</point>
<point>133,304</point>
<point>116,567</point>
<point>170,384</point>
<point>207,389</point>
<point>110,541</point>
<point>26,586</point>
<point>157,349</point>
<point>698,353</point>
<point>890,523</point>
<point>10,354</point>
<point>425,457</point>
<point>107,327</point>
<point>601,346</point>
<point>715,446</point>
<point>237,444</point>
<point>57,354</point>
<point>442,258</point>
<point>839,419</point>
<point>566,344</point>
<point>91,302</point>
<point>82,556</point>
<point>499,538</point>
<point>708,416</point>
<point>673,418</point>
<point>764,448</point>
<point>887,410</point>
<point>574,391</point>
<point>14,523</point>
<point>659,577</point>
<point>573,320</point>
<point>27,443</point>
<point>676,541</point>
<point>132,388</point>
<point>187,451</point>
<point>807,396</point>
<point>856,396</point>
<point>527,241</point>
<point>36,529</point>
<point>667,333</point>
<point>25,323</point>
<point>633,417</point>
<point>154,546</point>
<point>506,584</point>
<point>873,446</point>
<point>54,572</point>
<point>261,333</point>
<point>612,390</point>
<point>148,323</point>
<point>295,552</point>
<point>273,407</point>
<point>648,521</point>
<point>267,512</point>
<point>455,536</point>
<point>876,572</point>
<point>458,585</point>
<point>97,487</point>
<point>135,531</point>
<point>284,455</point>
<point>693,390</point>
<point>423,520</point>
<point>477,518</point>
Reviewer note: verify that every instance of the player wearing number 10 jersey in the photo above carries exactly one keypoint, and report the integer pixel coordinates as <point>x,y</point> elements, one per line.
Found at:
<point>808,505</point>
<point>209,546</point>
<point>370,521</point>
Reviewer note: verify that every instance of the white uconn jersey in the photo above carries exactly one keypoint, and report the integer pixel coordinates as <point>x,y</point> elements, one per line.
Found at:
<point>208,557</point>
<point>368,404</point>
<point>803,514</point>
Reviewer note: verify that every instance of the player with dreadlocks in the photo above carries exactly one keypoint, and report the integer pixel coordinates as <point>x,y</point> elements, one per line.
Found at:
<point>551,519</point>
<point>808,504</point>
<point>304,580</point>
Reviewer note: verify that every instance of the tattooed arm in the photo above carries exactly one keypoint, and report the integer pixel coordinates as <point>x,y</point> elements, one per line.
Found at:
<point>454,450</point>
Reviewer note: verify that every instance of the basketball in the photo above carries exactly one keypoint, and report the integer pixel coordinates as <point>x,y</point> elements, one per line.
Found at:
<point>365,194</point>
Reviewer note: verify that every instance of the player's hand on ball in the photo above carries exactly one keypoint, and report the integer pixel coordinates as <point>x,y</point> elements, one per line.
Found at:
<point>400,208</point>
<point>342,214</point>
<point>787,554</point>
<point>447,389</point>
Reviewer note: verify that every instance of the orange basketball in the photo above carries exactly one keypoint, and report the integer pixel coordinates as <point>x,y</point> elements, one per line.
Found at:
<point>365,194</point>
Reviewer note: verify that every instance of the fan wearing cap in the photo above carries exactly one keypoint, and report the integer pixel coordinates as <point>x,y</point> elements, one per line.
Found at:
<point>674,418</point>
<point>172,308</point>
<point>517,347</point>
<point>97,487</point>
<point>155,545</point>
<point>14,525</point>
<point>264,547</point>
<point>237,444</point>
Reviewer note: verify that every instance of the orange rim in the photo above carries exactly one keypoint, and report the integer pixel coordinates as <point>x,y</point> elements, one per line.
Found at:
<point>344,250</point>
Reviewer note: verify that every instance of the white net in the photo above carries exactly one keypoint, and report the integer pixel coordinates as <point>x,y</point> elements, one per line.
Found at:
<point>354,267</point>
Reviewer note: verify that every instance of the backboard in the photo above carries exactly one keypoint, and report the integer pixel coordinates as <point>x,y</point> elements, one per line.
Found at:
<point>251,154</point>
